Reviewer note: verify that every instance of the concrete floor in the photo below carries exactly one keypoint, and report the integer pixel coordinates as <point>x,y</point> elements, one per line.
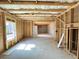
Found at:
<point>37,48</point>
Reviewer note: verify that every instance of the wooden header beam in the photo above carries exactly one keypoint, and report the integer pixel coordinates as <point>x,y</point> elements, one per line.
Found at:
<point>40,3</point>
<point>20,15</point>
<point>74,6</point>
<point>35,14</point>
<point>38,10</point>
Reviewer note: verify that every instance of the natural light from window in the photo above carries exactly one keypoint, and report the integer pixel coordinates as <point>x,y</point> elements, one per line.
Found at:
<point>10,30</point>
<point>26,47</point>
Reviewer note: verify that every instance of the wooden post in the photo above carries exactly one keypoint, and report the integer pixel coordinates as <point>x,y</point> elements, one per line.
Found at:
<point>4,32</point>
<point>78,46</point>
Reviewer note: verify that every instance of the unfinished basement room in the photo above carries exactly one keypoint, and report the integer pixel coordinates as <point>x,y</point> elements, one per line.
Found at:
<point>39,29</point>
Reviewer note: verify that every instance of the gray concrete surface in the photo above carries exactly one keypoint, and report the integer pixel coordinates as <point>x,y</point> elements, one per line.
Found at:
<point>37,48</point>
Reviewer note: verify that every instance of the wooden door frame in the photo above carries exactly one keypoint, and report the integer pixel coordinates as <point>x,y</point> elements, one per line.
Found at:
<point>78,46</point>
<point>69,28</point>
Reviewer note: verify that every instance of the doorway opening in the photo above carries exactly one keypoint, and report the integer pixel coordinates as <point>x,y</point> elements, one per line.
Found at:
<point>42,29</point>
<point>74,41</point>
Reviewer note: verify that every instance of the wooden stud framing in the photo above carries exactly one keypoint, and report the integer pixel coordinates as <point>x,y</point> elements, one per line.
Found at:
<point>40,3</point>
<point>69,15</point>
<point>27,28</point>
<point>2,41</point>
<point>61,20</point>
<point>77,4</point>
<point>78,46</point>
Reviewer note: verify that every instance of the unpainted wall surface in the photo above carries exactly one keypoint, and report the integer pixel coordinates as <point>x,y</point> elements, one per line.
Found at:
<point>1,34</point>
<point>19,29</point>
<point>65,22</point>
<point>27,26</point>
<point>52,29</point>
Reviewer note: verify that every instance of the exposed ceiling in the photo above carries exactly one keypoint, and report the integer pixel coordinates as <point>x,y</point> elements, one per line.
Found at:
<point>13,6</point>
<point>69,1</point>
<point>25,8</point>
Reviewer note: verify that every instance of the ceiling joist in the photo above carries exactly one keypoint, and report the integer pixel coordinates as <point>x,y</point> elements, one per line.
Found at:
<point>40,3</point>
<point>23,15</point>
<point>35,14</point>
<point>38,10</point>
<point>9,1</point>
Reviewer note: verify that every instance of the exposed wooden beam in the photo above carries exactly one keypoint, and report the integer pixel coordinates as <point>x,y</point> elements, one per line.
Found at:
<point>60,20</point>
<point>33,16</point>
<point>9,1</point>
<point>42,20</point>
<point>36,1</point>
<point>20,15</point>
<point>27,17</point>
<point>40,3</point>
<point>38,10</point>
<point>77,4</point>
<point>35,13</point>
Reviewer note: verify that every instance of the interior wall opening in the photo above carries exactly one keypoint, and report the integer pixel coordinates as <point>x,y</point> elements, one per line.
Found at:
<point>42,29</point>
<point>74,40</point>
